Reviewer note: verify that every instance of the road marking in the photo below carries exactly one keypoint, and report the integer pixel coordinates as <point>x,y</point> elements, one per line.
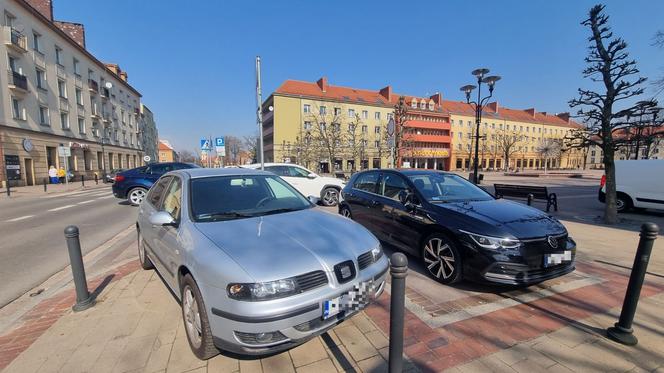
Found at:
<point>84,202</point>
<point>19,218</point>
<point>111,196</point>
<point>61,208</point>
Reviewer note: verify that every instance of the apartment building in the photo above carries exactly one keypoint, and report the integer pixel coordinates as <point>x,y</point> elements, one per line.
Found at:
<point>166,152</point>
<point>511,138</point>
<point>335,129</point>
<point>148,135</point>
<point>56,93</point>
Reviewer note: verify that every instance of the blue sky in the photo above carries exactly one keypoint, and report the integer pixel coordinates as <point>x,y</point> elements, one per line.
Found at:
<point>193,61</point>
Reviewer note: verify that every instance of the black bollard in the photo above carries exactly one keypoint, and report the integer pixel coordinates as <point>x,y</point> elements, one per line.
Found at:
<point>530,199</point>
<point>83,180</point>
<point>622,332</point>
<point>45,184</point>
<point>9,192</point>
<point>96,179</point>
<point>398,271</point>
<point>83,298</point>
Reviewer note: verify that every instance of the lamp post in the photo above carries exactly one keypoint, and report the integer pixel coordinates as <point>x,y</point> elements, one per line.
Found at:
<point>490,81</point>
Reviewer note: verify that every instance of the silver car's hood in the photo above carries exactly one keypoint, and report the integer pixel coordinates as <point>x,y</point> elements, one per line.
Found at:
<point>284,245</point>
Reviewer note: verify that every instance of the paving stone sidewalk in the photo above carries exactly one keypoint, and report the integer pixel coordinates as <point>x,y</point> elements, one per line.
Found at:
<point>38,190</point>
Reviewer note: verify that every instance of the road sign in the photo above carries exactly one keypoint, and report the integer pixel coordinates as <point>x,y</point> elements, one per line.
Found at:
<point>147,158</point>
<point>205,144</point>
<point>64,151</point>
<point>220,145</point>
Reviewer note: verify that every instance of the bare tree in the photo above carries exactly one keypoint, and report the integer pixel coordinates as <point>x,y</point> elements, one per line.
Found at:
<point>508,143</point>
<point>356,141</point>
<point>548,149</point>
<point>251,145</point>
<point>658,41</point>
<point>188,156</point>
<point>644,130</point>
<point>326,131</point>
<point>233,148</point>
<point>609,64</point>
<point>403,140</point>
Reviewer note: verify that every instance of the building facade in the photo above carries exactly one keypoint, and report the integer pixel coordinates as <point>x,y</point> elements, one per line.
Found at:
<point>166,152</point>
<point>335,129</point>
<point>56,93</point>
<point>148,134</point>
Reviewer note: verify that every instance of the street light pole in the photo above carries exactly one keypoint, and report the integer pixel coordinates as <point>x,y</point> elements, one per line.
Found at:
<point>490,81</point>
<point>259,112</point>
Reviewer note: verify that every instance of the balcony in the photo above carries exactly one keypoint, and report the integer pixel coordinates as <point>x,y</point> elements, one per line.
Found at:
<point>17,82</point>
<point>106,117</point>
<point>94,111</point>
<point>429,138</point>
<point>15,39</point>
<point>93,86</point>
<point>105,93</point>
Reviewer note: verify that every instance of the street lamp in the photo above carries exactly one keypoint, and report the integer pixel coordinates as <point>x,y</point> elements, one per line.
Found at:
<point>479,105</point>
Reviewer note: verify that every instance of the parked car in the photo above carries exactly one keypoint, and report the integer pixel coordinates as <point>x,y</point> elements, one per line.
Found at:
<point>257,267</point>
<point>134,184</point>
<point>110,176</point>
<point>639,184</point>
<point>457,229</point>
<point>306,181</point>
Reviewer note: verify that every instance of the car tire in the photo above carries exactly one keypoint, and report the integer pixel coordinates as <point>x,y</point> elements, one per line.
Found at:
<point>330,196</point>
<point>194,317</point>
<point>146,263</point>
<point>442,259</point>
<point>623,202</point>
<point>345,212</point>
<point>136,195</point>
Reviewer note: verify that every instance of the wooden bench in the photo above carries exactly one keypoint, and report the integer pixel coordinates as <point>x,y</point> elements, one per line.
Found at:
<point>525,191</point>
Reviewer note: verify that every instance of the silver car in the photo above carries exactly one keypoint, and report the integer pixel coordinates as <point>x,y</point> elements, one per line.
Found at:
<point>257,267</point>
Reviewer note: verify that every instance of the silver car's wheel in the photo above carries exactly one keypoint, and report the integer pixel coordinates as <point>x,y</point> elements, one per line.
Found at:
<point>136,196</point>
<point>442,259</point>
<point>330,197</point>
<point>142,257</point>
<point>192,318</point>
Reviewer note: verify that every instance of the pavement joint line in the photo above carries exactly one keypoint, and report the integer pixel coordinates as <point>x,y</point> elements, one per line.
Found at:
<point>61,208</point>
<point>19,218</point>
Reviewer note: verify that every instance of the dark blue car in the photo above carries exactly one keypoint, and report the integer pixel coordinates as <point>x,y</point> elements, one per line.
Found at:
<point>134,184</point>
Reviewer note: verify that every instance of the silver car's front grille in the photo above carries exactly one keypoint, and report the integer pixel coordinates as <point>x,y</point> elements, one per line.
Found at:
<point>311,280</point>
<point>345,271</point>
<point>365,260</point>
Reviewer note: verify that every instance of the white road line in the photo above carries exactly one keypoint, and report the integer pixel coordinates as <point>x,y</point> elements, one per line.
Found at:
<point>84,202</point>
<point>19,218</point>
<point>61,208</point>
<point>111,196</point>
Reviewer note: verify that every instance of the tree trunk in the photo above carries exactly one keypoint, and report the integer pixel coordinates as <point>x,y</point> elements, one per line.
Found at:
<point>610,212</point>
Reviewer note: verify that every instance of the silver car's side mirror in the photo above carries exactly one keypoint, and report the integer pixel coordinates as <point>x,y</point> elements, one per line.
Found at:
<point>311,176</point>
<point>314,199</point>
<point>162,218</point>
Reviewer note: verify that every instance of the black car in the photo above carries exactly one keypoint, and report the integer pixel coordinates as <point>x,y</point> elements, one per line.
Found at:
<point>459,230</point>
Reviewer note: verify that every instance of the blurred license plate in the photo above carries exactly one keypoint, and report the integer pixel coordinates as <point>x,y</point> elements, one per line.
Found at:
<point>557,258</point>
<point>354,300</point>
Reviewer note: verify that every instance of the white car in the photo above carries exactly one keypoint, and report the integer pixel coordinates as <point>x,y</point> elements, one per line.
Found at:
<point>306,181</point>
<point>639,184</point>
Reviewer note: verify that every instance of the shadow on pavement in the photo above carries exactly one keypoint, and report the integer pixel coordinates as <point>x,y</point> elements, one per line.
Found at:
<point>107,280</point>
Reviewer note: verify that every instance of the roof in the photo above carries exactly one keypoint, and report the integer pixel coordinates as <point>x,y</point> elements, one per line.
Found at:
<point>164,145</point>
<point>299,88</point>
<point>209,172</point>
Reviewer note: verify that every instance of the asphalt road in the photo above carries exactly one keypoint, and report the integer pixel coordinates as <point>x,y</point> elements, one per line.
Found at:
<point>32,243</point>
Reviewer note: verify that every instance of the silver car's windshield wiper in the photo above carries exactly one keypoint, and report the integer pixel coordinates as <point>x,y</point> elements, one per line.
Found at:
<point>279,211</point>
<point>224,214</point>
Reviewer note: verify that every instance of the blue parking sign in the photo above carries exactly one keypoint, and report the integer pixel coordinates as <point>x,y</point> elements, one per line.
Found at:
<point>220,141</point>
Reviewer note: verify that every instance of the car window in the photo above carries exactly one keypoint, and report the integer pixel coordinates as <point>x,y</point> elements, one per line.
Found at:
<point>181,166</point>
<point>173,199</point>
<point>391,185</point>
<point>442,188</point>
<point>278,170</point>
<point>157,190</point>
<point>160,169</point>
<point>298,172</point>
<point>367,182</point>
<point>278,189</point>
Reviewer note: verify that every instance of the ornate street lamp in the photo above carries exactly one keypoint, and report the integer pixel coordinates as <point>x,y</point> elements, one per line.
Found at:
<point>479,105</point>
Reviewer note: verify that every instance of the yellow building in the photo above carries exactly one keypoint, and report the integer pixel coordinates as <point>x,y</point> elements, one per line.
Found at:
<point>518,135</point>
<point>166,152</point>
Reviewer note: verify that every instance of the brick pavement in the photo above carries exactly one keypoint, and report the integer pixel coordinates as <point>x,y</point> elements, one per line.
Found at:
<point>38,190</point>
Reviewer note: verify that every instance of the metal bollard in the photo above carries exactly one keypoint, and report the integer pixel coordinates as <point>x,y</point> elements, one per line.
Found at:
<point>9,193</point>
<point>398,271</point>
<point>45,184</point>
<point>530,199</point>
<point>622,331</point>
<point>83,298</point>
<point>96,179</point>
<point>83,180</point>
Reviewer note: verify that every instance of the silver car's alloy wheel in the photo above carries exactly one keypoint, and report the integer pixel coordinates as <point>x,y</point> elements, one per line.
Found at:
<point>439,258</point>
<point>192,317</point>
<point>330,197</point>
<point>136,196</point>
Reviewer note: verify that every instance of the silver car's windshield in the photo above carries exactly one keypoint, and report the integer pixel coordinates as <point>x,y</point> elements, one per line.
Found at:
<point>234,197</point>
<point>442,188</point>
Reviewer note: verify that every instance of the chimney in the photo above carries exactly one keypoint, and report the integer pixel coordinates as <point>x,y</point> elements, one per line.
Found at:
<point>564,116</point>
<point>123,75</point>
<point>531,111</point>
<point>44,7</point>
<point>322,84</point>
<point>113,67</point>
<point>437,98</point>
<point>387,93</point>
<point>493,106</point>
<point>76,31</point>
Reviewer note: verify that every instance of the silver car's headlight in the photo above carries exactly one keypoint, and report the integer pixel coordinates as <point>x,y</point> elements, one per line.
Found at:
<point>493,243</point>
<point>263,290</point>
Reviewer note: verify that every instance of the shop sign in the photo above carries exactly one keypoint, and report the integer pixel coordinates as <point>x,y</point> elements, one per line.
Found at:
<point>13,167</point>
<point>430,153</point>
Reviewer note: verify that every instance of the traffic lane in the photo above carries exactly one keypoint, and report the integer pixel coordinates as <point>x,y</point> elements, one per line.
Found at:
<point>34,249</point>
<point>18,208</point>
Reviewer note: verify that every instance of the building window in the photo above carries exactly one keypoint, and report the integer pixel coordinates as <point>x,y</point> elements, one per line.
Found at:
<point>377,144</point>
<point>58,55</point>
<point>81,125</point>
<point>377,129</point>
<point>389,116</point>
<point>40,79</point>
<point>351,113</point>
<point>460,135</point>
<point>36,41</point>
<point>43,116</point>
<point>337,111</point>
<point>364,129</point>
<point>64,120</point>
<point>76,67</point>
<point>365,114</point>
<point>377,115</point>
<point>452,122</point>
<point>79,96</point>
<point>116,136</point>
<point>307,125</point>
<point>467,147</point>
<point>307,109</point>
<point>17,111</point>
<point>470,135</point>
<point>322,110</point>
<point>62,88</point>
<point>507,127</point>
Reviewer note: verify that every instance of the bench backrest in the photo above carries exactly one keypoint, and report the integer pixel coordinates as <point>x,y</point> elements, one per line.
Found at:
<point>538,192</point>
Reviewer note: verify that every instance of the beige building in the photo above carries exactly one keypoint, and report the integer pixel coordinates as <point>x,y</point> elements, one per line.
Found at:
<point>166,152</point>
<point>55,92</point>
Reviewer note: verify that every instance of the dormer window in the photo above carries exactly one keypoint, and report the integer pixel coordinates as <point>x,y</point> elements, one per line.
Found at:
<point>413,103</point>
<point>423,105</point>
<point>431,105</point>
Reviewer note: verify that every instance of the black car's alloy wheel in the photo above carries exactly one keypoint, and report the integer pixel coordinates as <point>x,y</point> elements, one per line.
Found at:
<point>442,259</point>
<point>345,212</point>
<point>196,323</point>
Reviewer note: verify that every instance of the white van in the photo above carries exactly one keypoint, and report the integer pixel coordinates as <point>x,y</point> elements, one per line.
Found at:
<point>639,184</point>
